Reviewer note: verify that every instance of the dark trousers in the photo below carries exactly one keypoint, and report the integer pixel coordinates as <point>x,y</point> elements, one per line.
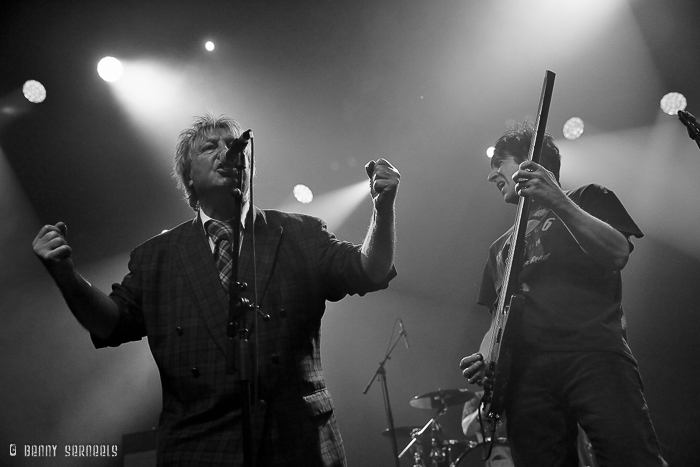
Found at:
<point>550,392</point>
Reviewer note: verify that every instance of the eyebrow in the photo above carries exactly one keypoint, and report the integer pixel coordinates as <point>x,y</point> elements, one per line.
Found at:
<point>204,142</point>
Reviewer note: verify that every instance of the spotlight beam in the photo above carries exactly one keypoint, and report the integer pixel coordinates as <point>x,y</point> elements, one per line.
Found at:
<point>334,207</point>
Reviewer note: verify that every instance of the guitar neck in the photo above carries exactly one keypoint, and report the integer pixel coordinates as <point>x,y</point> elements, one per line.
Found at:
<point>508,298</point>
<point>514,261</point>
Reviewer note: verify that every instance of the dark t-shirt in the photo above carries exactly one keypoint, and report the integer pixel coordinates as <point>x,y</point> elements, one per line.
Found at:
<point>571,303</point>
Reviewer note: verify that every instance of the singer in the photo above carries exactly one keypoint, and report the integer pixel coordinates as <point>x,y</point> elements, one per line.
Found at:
<point>175,293</point>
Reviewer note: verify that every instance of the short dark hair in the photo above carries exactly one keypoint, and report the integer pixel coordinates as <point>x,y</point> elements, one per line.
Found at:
<point>516,142</point>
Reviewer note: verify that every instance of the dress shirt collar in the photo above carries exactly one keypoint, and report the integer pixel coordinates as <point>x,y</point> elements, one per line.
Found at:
<point>244,213</point>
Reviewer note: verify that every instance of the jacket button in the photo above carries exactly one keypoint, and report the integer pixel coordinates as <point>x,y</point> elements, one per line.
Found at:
<point>274,358</point>
<point>283,313</point>
<point>179,331</point>
<point>261,404</point>
<point>195,372</point>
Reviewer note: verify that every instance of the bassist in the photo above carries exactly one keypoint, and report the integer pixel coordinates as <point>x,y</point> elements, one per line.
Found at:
<point>570,359</point>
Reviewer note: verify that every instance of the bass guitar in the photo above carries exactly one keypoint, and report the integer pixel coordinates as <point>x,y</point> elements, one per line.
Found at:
<point>496,347</point>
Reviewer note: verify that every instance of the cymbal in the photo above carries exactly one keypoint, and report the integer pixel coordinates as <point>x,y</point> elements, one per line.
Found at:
<point>400,431</point>
<point>441,398</point>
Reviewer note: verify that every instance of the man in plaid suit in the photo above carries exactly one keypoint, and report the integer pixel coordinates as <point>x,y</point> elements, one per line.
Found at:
<point>174,295</point>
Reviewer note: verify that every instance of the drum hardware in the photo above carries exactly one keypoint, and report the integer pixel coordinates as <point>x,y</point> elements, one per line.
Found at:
<point>472,456</point>
<point>401,431</point>
<point>430,450</point>
<point>442,398</point>
<point>428,445</point>
<point>424,436</point>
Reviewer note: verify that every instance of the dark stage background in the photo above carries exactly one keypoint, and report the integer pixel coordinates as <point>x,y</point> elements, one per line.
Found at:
<point>327,86</point>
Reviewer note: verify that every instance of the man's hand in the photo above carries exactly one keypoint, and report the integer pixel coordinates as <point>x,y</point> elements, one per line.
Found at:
<point>384,182</point>
<point>93,309</point>
<point>51,247</point>
<point>473,368</point>
<point>534,181</point>
<point>380,242</point>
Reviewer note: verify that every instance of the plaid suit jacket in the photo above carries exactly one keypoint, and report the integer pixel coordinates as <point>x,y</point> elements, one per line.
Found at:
<point>172,295</point>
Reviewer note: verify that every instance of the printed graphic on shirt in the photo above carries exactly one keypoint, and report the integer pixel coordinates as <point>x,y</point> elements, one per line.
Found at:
<point>540,221</point>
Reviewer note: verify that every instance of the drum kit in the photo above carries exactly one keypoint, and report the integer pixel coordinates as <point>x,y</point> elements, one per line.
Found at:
<point>429,447</point>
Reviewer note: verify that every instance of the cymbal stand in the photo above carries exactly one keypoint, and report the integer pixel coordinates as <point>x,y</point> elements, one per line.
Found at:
<point>432,424</point>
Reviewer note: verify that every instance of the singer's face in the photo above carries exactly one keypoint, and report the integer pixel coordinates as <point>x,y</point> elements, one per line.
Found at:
<point>210,176</point>
<point>502,175</point>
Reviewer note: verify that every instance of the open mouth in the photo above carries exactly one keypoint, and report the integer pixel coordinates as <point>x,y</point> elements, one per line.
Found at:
<point>226,171</point>
<point>500,185</point>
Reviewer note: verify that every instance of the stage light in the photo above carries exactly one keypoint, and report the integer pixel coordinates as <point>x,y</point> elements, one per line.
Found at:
<point>672,102</point>
<point>303,194</point>
<point>110,69</point>
<point>334,207</point>
<point>209,46</point>
<point>490,151</point>
<point>573,128</point>
<point>34,91</point>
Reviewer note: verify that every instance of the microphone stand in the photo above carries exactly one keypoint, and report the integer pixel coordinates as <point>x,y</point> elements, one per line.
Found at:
<point>381,373</point>
<point>236,327</point>
<point>691,125</point>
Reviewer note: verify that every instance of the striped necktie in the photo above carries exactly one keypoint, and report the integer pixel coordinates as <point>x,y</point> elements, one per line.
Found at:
<point>223,246</point>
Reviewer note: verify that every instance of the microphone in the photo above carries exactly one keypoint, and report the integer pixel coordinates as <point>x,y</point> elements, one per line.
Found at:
<point>686,116</point>
<point>691,124</point>
<point>404,333</point>
<point>237,146</point>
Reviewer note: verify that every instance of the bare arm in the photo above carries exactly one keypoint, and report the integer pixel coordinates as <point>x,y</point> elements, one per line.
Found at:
<point>379,245</point>
<point>92,307</point>
<point>599,240</point>
<point>470,415</point>
<point>605,245</point>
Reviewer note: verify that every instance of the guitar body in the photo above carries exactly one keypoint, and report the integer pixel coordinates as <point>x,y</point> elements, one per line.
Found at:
<point>496,348</point>
<point>498,370</point>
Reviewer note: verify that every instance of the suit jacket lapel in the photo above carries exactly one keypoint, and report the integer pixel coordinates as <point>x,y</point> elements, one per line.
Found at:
<point>199,268</point>
<point>267,238</point>
<point>204,286</point>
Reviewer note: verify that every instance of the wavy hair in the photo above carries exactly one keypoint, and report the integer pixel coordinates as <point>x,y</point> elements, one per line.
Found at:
<point>516,142</point>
